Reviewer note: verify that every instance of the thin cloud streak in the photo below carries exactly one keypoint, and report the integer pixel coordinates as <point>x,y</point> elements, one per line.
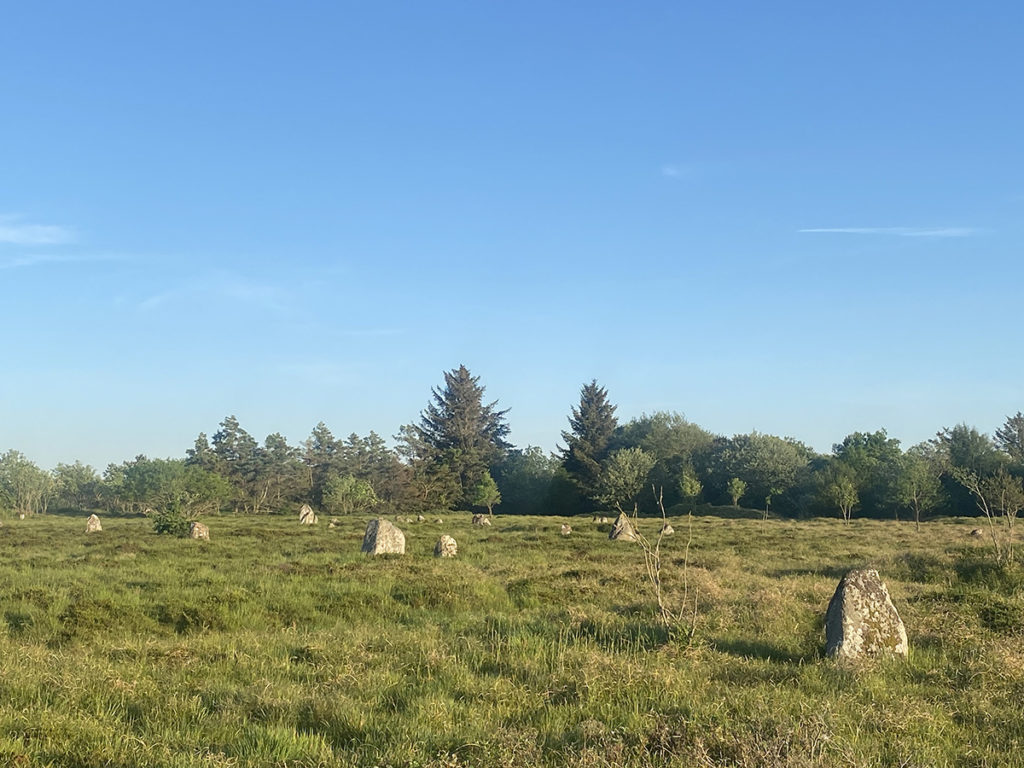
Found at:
<point>39,259</point>
<point>897,231</point>
<point>14,232</point>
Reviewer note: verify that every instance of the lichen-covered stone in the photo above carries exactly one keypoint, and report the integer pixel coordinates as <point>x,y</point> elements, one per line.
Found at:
<point>92,525</point>
<point>446,547</point>
<point>861,620</point>
<point>623,529</point>
<point>307,516</point>
<point>481,520</point>
<point>383,538</point>
<point>198,531</point>
<point>566,529</point>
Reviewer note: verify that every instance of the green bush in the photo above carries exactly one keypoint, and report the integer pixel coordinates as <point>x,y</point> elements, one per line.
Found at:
<point>171,520</point>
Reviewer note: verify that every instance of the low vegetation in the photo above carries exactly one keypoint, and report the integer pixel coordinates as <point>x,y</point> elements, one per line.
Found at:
<point>276,644</point>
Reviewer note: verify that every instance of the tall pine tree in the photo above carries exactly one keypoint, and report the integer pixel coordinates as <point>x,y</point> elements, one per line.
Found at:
<point>459,432</point>
<point>592,425</point>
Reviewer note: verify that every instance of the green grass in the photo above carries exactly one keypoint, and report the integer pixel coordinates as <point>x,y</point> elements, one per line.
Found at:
<point>276,644</point>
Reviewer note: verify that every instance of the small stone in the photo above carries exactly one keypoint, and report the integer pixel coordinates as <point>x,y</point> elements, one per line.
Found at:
<point>623,529</point>
<point>566,529</point>
<point>667,530</point>
<point>420,519</point>
<point>383,538</point>
<point>446,547</point>
<point>861,619</point>
<point>481,520</point>
<point>92,525</point>
<point>976,532</point>
<point>21,516</point>
<point>199,531</point>
<point>333,523</point>
<point>307,516</point>
<point>439,521</point>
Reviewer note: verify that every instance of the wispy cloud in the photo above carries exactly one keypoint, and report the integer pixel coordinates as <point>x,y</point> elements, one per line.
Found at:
<point>222,286</point>
<point>673,171</point>
<point>898,231</point>
<point>39,259</point>
<point>15,231</point>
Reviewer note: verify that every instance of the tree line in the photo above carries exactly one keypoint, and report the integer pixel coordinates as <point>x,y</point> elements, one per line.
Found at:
<point>456,455</point>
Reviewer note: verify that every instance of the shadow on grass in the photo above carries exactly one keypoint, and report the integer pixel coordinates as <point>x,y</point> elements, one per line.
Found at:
<point>757,649</point>
<point>832,571</point>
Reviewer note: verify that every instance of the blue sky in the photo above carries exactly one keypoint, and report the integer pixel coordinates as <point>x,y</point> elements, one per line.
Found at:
<point>799,218</point>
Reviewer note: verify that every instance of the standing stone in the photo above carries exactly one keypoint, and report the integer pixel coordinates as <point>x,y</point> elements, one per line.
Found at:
<point>481,520</point>
<point>383,538</point>
<point>622,530</point>
<point>307,516</point>
<point>566,529</point>
<point>861,619</point>
<point>92,525</point>
<point>198,531</point>
<point>667,530</point>
<point>446,547</point>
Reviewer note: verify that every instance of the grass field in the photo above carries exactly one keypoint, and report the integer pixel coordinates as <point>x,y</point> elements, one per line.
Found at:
<point>275,644</point>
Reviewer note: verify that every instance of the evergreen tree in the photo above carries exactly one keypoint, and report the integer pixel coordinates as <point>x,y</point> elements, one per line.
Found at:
<point>1010,438</point>
<point>588,441</point>
<point>458,431</point>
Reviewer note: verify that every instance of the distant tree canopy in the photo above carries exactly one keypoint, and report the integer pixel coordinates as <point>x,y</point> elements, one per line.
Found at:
<point>457,455</point>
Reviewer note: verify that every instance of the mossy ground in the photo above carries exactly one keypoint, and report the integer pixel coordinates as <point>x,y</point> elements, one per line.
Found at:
<point>276,644</point>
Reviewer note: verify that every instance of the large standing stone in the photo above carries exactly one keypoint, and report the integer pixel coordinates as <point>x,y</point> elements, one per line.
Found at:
<point>622,530</point>
<point>383,538</point>
<point>481,520</point>
<point>198,531</point>
<point>92,525</point>
<point>306,515</point>
<point>446,547</point>
<point>861,619</point>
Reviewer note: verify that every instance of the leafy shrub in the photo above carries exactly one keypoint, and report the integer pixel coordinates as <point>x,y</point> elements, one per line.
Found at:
<point>171,520</point>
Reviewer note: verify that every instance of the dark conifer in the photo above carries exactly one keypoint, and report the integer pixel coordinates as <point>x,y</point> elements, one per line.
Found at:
<point>587,442</point>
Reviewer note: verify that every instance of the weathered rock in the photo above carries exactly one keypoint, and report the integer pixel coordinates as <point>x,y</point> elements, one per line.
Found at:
<point>481,520</point>
<point>198,531</point>
<point>92,525</point>
<point>439,521</point>
<point>446,547</point>
<point>420,519</point>
<point>307,516</point>
<point>977,532</point>
<point>667,530</point>
<point>566,529</point>
<point>622,530</point>
<point>861,620</point>
<point>383,538</point>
